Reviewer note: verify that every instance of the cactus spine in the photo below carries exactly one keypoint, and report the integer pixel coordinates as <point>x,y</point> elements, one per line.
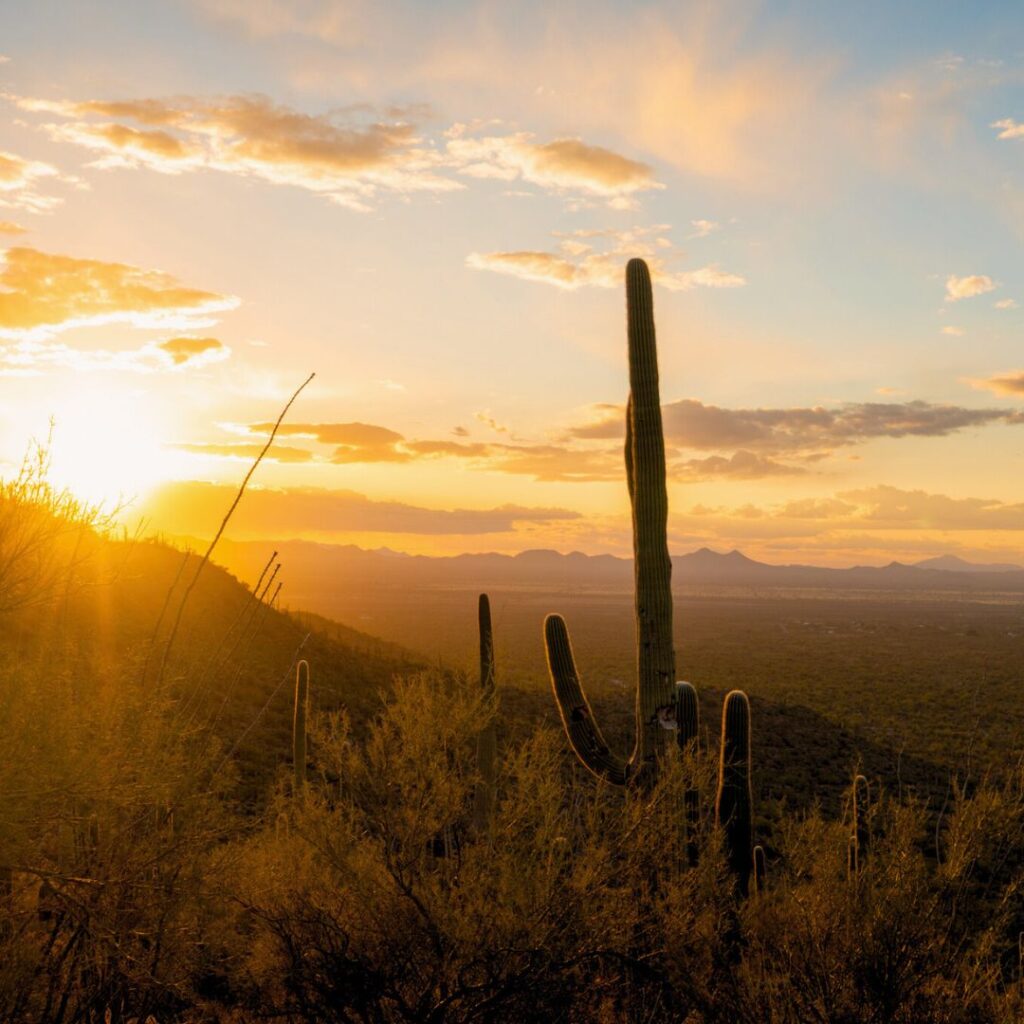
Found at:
<point>486,742</point>
<point>645,479</point>
<point>734,804</point>
<point>299,726</point>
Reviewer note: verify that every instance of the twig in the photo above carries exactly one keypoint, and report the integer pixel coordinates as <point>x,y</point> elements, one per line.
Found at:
<point>222,527</point>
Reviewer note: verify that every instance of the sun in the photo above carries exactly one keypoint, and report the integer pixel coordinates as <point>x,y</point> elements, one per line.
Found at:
<point>106,446</point>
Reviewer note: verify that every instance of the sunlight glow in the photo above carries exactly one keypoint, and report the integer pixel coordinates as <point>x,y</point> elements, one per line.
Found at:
<point>106,446</point>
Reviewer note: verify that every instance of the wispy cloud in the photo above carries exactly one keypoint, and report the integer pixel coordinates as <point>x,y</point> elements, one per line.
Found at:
<point>19,183</point>
<point>596,259</point>
<point>195,508</point>
<point>690,423</point>
<point>31,356</point>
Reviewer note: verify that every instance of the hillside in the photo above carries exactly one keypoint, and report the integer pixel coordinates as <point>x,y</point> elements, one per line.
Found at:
<point>231,667</point>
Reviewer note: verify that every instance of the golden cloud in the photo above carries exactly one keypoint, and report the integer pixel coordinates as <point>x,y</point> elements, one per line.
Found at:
<point>43,293</point>
<point>8,227</point>
<point>184,350</point>
<point>1009,383</point>
<point>568,164</point>
<point>348,161</point>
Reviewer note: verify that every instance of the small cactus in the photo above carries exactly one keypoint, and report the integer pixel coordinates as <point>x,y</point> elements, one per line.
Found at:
<point>688,725</point>
<point>299,726</point>
<point>760,871</point>
<point>858,840</point>
<point>735,801</point>
<point>645,480</point>
<point>486,742</point>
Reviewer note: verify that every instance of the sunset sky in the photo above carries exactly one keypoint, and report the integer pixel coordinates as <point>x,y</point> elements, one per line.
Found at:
<point>431,205</point>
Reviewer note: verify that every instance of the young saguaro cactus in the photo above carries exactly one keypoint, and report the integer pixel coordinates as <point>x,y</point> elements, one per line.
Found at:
<point>299,725</point>
<point>858,841</point>
<point>486,741</point>
<point>735,801</point>
<point>645,479</point>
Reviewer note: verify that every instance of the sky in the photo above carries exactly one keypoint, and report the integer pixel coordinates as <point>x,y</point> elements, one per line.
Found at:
<point>431,206</point>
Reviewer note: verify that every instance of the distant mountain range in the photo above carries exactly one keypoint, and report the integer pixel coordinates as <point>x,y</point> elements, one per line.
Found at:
<point>311,567</point>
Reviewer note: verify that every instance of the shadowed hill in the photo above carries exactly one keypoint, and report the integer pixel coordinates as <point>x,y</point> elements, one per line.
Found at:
<point>231,667</point>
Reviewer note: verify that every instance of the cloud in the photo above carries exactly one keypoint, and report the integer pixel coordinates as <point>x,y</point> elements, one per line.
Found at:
<point>355,442</point>
<point>596,259</point>
<point>893,507</point>
<point>43,293</point>
<point>967,287</point>
<point>1009,383</point>
<point>955,332</point>
<point>30,357</point>
<point>368,443</point>
<point>191,350</point>
<point>703,228</point>
<point>742,465</point>
<point>690,423</point>
<point>346,155</point>
<point>1009,128</point>
<point>246,451</point>
<point>881,508</point>
<point>194,508</point>
<point>343,155</point>
<point>8,227</point>
<point>18,180</point>
<point>1006,304</point>
<point>567,164</point>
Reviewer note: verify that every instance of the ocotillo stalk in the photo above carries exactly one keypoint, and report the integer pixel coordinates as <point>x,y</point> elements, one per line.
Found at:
<point>735,802</point>
<point>299,726</point>
<point>486,741</point>
<point>645,479</point>
<point>760,870</point>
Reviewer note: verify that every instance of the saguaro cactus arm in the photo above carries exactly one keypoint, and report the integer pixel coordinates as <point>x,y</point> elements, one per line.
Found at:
<point>645,479</point>
<point>577,717</point>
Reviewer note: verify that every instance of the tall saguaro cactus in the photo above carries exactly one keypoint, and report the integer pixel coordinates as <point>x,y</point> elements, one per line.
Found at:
<point>645,478</point>
<point>735,801</point>
<point>299,725</point>
<point>486,741</point>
